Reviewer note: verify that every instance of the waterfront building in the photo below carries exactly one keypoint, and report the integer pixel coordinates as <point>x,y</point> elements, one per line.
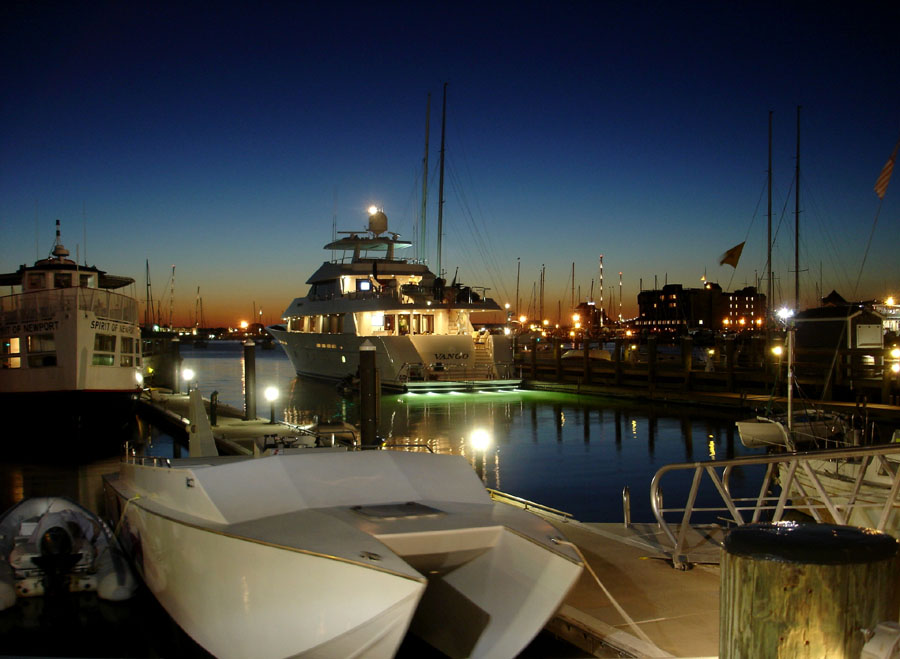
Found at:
<point>678,310</point>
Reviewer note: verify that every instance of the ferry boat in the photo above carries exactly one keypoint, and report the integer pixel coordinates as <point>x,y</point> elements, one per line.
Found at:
<point>421,328</point>
<point>68,342</point>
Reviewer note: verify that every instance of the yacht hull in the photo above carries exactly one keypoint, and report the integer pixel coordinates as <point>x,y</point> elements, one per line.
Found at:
<point>242,598</point>
<point>322,553</point>
<point>402,361</point>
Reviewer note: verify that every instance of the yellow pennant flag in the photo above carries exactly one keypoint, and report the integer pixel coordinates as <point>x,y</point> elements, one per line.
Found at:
<point>732,256</point>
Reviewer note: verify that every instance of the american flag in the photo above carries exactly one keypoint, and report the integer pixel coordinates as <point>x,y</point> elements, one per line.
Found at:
<point>885,176</point>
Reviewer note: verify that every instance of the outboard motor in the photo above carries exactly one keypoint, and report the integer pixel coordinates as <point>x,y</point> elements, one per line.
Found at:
<point>57,559</point>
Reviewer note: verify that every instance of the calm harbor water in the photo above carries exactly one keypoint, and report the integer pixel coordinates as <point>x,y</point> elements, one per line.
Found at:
<point>573,453</point>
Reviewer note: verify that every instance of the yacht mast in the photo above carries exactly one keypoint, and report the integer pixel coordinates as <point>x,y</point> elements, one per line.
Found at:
<point>797,222</point>
<point>769,243</point>
<point>420,254</point>
<point>441,184</point>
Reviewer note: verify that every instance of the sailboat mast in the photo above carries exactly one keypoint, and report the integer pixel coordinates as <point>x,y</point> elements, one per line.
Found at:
<point>422,238</point>
<point>518,273</point>
<point>797,222</point>
<point>769,243</point>
<point>172,300</point>
<point>148,308</point>
<point>440,228</point>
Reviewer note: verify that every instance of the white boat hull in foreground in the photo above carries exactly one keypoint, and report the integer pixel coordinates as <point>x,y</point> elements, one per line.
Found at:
<point>322,553</point>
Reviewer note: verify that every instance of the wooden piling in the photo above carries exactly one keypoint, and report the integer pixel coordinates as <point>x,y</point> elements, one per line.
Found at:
<point>651,363</point>
<point>249,380</point>
<point>804,590</point>
<point>586,347</point>
<point>687,360</point>
<point>368,394</point>
<point>617,360</point>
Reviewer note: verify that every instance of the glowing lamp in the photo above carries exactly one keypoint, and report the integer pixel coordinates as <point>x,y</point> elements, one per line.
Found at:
<point>895,353</point>
<point>777,351</point>
<point>271,394</point>
<point>895,367</point>
<point>480,439</point>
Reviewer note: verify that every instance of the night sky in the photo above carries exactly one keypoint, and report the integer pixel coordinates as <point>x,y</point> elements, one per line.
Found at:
<point>225,138</point>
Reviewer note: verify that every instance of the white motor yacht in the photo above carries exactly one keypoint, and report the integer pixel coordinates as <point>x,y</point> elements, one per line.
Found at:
<point>421,328</point>
<point>329,553</point>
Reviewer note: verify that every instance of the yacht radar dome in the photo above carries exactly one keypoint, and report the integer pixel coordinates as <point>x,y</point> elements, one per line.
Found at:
<point>378,222</point>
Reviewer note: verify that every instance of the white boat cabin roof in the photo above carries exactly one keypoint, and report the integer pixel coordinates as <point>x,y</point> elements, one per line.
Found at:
<point>58,271</point>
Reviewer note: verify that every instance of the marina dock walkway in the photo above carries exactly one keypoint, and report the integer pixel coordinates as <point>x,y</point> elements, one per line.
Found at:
<point>675,613</point>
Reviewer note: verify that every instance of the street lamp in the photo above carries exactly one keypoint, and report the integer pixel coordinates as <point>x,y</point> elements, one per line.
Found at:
<point>271,394</point>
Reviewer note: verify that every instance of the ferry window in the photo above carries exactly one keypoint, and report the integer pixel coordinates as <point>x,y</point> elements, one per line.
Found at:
<point>41,350</point>
<point>103,360</point>
<point>105,342</point>
<point>85,281</point>
<point>36,280</point>
<point>62,279</point>
<point>403,324</point>
<point>127,345</point>
<point>389,323</point>
<point>41,343</point>
<point>126,360</point>
<point>377,320</point>
<point>363,285</point>
<point>9,353</point>
<point>427,324</point>
<point>340,324</point>
<point>415,323</point>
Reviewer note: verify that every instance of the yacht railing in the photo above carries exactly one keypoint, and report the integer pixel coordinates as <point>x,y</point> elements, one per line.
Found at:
<point>44,305</point>
<point>788,470</point>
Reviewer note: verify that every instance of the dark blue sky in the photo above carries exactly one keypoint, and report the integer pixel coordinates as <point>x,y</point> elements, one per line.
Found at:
<point>224,137</point>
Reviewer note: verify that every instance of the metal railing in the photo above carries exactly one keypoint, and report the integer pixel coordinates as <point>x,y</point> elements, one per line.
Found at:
<point>802,489</point>
<point>43,305</point>
<point>526,504</point>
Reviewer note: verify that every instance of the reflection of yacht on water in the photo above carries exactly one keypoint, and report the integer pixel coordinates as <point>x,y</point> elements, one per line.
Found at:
<point>420,327</point>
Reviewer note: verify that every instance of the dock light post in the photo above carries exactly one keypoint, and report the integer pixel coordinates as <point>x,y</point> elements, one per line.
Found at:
<point>271,394</point>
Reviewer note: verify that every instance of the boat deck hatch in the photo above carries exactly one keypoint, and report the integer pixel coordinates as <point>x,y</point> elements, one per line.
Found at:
<point>406,510</point>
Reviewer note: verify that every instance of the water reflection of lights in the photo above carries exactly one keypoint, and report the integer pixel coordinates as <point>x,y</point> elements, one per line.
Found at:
<point>634,428</point>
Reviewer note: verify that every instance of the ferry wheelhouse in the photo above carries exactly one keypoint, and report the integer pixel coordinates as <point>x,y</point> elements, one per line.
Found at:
<point>67,332</point>
<point>421,327</point>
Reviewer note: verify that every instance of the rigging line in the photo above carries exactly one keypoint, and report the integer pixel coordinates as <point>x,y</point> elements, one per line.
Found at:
<point>830,244</point>
<point>488,262</point>
<point>868,245</point>
<point>487,238</point>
